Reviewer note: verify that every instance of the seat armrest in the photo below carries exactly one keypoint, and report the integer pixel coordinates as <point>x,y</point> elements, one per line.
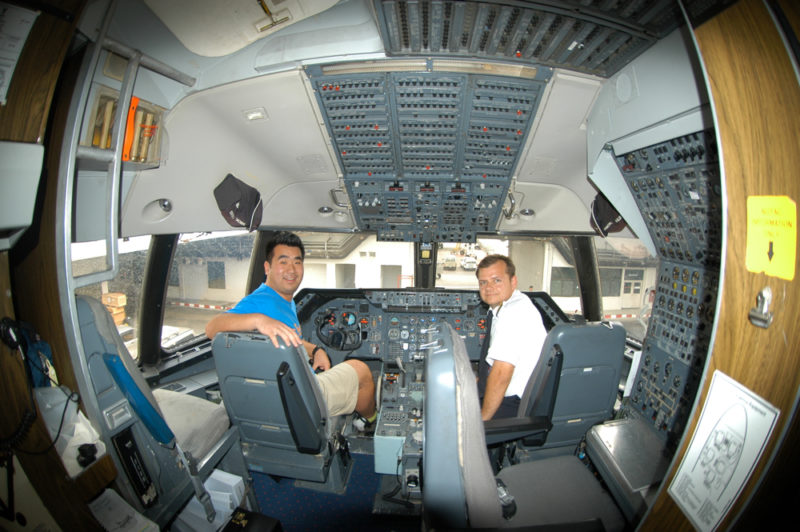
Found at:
<point>515,428</point>
<point>301,423</point>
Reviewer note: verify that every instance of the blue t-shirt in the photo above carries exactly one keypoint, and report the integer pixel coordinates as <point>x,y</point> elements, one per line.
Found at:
<point>265,300</point>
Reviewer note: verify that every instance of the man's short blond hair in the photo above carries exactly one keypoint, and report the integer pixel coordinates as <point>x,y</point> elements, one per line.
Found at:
<point>490,260</point>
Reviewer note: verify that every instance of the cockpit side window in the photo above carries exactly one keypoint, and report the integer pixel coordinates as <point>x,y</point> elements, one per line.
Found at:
<point>122,294</point>
<point>628,275</point>
<point>207,275</point>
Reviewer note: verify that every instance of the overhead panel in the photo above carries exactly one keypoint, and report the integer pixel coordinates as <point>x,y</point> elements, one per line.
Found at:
<point>427,156</point>
<point>593,36</point>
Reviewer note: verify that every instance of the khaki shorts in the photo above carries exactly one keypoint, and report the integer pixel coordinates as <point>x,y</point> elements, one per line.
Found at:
<point>339,386</point>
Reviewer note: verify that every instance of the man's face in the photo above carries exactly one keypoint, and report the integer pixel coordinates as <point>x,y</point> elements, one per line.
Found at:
<point>495,285</point>
<point>286,271</point>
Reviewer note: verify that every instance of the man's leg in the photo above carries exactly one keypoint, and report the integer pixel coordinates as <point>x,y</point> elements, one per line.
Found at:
<point>365,404</point>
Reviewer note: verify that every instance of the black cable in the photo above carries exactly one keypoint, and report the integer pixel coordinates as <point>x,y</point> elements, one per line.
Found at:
<point>70,397</point>
<point>20,433</point>
<point>9,335</point>
<point>12,442</point>
<point>389,497</point>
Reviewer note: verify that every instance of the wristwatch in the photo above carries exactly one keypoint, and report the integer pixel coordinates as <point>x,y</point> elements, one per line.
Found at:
<point>313,353</point>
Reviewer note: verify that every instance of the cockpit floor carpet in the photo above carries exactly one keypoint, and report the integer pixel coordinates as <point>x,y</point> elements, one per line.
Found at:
<point>301,509</point>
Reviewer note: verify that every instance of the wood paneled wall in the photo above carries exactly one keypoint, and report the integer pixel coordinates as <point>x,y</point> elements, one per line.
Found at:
<point>24,117</point>
<point>29,270</point>
<point>757,104</point>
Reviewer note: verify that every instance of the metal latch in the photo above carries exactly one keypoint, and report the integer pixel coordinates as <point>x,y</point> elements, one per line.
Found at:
<point>272,21</point>
<point>760,316</point>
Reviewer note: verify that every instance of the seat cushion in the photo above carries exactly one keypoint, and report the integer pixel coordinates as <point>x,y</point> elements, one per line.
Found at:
<point>198,424</point>
<point>559,490</point>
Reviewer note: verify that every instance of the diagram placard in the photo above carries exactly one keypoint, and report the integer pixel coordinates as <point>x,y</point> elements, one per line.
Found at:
<point>734,427</point>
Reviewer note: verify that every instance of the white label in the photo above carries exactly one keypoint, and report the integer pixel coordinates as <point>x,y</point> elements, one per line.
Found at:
<point>734,427</point>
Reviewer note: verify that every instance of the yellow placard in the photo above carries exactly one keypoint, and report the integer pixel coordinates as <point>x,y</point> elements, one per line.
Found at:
<point>771,236</point>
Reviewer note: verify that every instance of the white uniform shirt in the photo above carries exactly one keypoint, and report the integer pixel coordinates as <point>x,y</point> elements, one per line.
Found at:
<point>517,338</point>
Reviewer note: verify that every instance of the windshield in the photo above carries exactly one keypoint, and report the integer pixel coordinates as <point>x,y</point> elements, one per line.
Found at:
<point>627,273</point>
<point>209,274</point>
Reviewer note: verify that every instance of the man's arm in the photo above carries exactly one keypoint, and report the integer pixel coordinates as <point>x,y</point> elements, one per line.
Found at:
<point>230,321</point>
<point>496,386</point>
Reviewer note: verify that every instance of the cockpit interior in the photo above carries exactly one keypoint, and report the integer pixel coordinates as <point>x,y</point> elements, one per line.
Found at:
<point>623,153</point>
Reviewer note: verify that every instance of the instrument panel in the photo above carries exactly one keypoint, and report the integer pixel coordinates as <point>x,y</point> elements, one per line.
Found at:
<point>387,325</point>
<point>395,330</point>
<point>392,325</point>
<point>676,185</point>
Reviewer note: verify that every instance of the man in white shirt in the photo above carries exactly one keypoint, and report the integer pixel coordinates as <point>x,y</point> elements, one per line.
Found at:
<point>515,338</point>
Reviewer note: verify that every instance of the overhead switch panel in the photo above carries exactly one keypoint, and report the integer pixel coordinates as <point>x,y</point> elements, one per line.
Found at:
<point>427,156</point>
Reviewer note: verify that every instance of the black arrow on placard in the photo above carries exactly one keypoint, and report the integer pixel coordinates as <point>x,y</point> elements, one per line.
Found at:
<point>770,254</point>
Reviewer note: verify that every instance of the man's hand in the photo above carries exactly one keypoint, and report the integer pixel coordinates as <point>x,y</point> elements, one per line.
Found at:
<point>321,359</point>
<point>275,329</point>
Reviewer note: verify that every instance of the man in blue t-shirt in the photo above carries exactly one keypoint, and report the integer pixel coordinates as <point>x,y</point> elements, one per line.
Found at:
<point>270,310</point>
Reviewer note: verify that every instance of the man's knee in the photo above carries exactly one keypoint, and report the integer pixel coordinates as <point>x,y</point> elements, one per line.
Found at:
<point>363,372</point>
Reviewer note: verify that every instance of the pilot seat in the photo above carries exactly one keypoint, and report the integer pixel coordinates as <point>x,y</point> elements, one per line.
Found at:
<point>460,489</point>
<point>587,386</point>
<point>272,396</point>
<point>167,443</point>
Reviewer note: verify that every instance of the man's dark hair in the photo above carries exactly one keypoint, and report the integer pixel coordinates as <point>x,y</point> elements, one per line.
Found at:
<point>287,239</point>
<point>490,260</point>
